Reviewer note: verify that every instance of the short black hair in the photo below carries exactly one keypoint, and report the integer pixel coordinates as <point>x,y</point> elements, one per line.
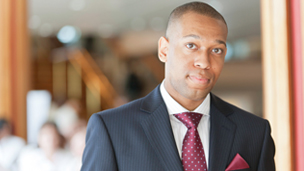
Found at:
<point>3,122</point>
<point>197,7</point>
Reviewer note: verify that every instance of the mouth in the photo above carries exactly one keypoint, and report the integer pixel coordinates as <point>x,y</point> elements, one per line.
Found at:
<point>199,79</point>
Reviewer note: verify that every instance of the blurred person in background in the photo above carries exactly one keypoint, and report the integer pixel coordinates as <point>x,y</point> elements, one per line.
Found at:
<point>77,144</point>
<point>79,125</point>
<point>50,154</point>
<point>10,147</point>
<point>181,125</point>
<point>66,116</point>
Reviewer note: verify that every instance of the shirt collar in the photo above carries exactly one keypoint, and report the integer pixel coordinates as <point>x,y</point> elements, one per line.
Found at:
<point>174,107</point>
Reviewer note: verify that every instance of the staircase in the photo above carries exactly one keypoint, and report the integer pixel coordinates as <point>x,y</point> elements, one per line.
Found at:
<point>93,77</point>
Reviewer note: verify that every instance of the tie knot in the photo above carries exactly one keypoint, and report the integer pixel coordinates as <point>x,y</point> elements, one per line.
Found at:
<point>189,119</point>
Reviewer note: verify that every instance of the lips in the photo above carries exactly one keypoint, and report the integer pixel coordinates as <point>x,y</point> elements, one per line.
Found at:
<point>198,79</point>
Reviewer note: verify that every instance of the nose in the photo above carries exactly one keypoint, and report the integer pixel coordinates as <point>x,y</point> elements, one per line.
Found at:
<point>202,61</point>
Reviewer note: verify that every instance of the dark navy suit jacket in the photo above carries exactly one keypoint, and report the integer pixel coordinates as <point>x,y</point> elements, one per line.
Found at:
<point>138,137</point>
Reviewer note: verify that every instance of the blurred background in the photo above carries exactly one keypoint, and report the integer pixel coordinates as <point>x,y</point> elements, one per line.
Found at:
<point>63,60</point>
<point>117,40</point>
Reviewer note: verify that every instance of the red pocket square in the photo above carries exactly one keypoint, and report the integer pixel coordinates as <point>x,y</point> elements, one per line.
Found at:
<point>237,163</point>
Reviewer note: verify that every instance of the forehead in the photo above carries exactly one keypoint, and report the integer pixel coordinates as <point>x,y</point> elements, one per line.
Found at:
<point>198,24</point>
<point>48,128</point>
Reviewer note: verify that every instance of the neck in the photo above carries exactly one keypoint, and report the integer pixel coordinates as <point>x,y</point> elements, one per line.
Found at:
<point>189,104</point>
<point>188,101</point>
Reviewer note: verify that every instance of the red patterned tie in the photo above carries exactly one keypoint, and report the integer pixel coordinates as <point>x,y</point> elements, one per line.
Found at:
<point>193,156</point>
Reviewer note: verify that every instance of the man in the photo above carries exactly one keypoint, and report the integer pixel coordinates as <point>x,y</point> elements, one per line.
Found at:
<point>156,133</point>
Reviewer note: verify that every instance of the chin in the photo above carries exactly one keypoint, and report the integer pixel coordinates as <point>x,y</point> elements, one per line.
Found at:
<point>197,95</point>
<point>200,89</point>
<point>200,86</point>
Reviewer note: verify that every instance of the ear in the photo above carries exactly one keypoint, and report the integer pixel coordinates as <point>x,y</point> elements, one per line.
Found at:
<point>163,46</point>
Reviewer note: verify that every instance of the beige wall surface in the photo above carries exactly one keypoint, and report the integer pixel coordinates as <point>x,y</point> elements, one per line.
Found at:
<point>276,78</point>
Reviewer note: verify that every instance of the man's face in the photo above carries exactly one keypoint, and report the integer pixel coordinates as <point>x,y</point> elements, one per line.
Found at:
<point>194,56</point>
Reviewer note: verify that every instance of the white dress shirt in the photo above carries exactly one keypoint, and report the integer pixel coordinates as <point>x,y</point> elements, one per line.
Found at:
<point>179,129</point>
<point>34,159</point>
<point>10,147</point>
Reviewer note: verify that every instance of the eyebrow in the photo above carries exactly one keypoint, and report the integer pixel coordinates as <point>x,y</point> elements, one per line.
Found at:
<point>198,37</point>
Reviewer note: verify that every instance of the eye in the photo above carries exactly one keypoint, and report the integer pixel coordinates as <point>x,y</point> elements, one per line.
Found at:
<point>217,50</point>
<point>191,46</point>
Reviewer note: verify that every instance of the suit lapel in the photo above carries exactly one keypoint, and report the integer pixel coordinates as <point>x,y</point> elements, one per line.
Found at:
<point>159,131</point>
<point>222,133</point>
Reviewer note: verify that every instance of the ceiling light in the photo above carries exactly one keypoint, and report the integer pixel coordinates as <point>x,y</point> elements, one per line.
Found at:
<point>68,34</point>
<point>241,49</point>
<point>229,53</point>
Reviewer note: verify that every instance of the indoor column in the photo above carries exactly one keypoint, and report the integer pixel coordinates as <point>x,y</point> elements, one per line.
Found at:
<point>14,63</point>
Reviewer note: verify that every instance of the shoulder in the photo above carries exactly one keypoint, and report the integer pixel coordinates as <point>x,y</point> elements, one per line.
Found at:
<point>135,110</point>
<point>126,110</point>
<point>123,117</point>
<point>247,125</point>
<point>237,114</point>
<point>13,141</point>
